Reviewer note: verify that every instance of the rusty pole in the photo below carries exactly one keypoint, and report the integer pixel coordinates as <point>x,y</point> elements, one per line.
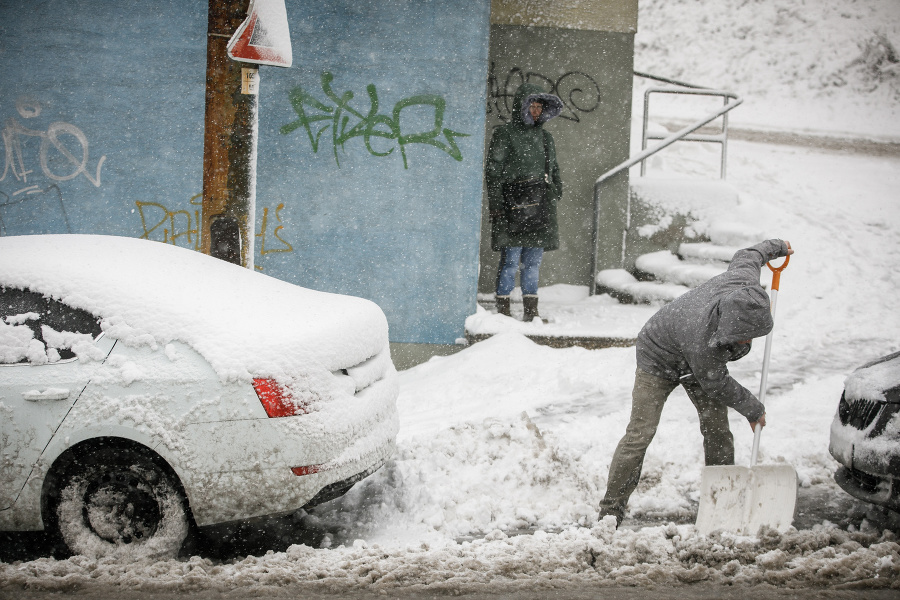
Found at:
<point>229,144</point>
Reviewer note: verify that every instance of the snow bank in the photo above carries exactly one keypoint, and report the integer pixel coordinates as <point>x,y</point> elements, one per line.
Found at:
<point>822,557</point>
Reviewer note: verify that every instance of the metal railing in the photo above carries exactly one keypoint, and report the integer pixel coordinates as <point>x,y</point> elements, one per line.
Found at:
<point>720,138</point>
<point>684,134</point>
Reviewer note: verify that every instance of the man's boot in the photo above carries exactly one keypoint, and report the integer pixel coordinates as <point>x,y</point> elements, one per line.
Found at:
<point>503,306</point>
<point>530,303</point>
<point>618,515</point>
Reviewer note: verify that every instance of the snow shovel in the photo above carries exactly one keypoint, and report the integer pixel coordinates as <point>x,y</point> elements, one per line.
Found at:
<point>742,499</point>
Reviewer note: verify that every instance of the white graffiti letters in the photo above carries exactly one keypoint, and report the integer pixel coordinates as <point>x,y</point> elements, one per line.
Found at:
<point>63,153</point>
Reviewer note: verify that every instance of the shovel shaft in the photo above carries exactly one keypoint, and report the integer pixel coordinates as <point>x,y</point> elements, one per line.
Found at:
<point>767,354</point>
<point>764,378</point>
<point>757,432</point>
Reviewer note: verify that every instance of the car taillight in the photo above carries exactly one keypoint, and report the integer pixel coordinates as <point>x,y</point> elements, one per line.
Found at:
<point>276,400</point>
<point>307,470</point>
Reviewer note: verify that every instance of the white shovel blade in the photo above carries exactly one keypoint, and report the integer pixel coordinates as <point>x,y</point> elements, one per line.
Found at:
<point>742,499</point>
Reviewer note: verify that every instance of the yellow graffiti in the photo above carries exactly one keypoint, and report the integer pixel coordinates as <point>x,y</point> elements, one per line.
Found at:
<point>176,225</point>
<point>181,227</point>
<point>262,233</point>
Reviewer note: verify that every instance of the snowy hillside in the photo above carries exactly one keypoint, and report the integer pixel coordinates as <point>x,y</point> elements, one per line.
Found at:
<point>814,65</point>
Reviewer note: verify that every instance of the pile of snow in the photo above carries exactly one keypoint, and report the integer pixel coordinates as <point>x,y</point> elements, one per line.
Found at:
<point>577,557</point>
<point>17,341</point>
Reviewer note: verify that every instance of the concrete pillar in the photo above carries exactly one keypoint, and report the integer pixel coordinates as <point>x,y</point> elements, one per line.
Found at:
<point>584,53</point>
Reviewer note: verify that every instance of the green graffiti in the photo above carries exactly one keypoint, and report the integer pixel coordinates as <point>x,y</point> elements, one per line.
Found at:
<point>370,126</point>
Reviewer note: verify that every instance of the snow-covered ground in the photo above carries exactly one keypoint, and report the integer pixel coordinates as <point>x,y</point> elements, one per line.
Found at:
<point>818,66</point>
<point>504,447</point>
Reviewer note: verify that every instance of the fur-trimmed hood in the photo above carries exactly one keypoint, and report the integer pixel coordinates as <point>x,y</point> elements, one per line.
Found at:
<point>526,94</point>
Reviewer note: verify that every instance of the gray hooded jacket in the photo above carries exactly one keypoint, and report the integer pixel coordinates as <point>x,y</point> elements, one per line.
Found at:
<point>697,334</point>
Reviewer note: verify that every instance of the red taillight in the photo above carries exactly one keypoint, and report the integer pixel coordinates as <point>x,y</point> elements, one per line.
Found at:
<point>277,401</point>
<point>307,470</point>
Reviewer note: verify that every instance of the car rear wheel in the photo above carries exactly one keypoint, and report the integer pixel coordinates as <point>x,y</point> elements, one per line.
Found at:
<point>120,503</point>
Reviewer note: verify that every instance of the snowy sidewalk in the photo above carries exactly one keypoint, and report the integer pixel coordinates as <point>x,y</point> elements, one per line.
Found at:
<point>574,319</point>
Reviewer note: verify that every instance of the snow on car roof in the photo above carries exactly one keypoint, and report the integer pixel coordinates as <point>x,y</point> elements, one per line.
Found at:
<point>869,382</point>
<point>245,324</point>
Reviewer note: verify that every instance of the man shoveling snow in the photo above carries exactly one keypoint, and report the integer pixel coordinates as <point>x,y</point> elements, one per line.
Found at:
<point>689,342</point>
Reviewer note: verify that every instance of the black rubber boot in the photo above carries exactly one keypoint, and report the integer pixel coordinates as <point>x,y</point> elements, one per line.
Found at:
<point>503,306</point>
<point>531,309</point>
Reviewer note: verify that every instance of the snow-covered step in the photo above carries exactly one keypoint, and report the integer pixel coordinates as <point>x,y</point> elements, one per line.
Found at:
<point>622,285</point>
<point>705,251</point>
<point>667,267</point>
<point>739,234</point>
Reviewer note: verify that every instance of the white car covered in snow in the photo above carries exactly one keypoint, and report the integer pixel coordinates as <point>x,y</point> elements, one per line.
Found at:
<point>865,433</point>
<point>144,386</point>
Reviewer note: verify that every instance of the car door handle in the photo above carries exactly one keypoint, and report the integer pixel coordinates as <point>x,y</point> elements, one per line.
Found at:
<point>48,394</point>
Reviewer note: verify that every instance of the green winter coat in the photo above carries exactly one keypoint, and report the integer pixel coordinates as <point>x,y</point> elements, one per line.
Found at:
<point>517,152</point>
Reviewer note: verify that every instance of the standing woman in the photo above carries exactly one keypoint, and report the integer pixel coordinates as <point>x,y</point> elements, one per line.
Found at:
<point>522,177</point>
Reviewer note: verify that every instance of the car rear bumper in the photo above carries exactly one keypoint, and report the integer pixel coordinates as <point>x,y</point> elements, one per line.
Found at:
<point>236,495</point>
<point>251,468</point>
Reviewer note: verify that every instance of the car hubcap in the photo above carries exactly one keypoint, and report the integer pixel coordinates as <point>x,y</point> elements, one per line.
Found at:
<point>120,508</point>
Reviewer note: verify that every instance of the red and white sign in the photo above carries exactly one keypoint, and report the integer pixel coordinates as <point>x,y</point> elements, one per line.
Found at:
<point>263,38</point>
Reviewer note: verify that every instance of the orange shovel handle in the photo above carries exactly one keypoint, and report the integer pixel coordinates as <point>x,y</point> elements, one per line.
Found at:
<point>776,272</point>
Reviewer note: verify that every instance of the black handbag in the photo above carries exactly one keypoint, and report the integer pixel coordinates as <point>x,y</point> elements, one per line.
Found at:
<point>527,201</point>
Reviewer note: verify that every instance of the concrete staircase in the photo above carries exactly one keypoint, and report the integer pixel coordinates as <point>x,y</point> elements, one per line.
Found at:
<point>682,232</point>
<point>662,276</point>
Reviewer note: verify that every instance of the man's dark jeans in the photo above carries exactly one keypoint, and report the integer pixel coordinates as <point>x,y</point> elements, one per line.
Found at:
<point>647,401</point>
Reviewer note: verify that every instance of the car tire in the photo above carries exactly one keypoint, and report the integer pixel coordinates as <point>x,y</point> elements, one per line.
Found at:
<point>120,503</point>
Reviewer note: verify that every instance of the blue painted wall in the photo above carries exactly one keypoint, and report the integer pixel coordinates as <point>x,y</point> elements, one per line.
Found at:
<point>102,112</point>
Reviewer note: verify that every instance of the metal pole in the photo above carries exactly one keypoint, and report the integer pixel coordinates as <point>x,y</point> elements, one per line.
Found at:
<point>229,144</point>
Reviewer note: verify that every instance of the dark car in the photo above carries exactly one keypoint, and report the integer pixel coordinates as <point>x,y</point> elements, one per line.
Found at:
<point>865,433</point>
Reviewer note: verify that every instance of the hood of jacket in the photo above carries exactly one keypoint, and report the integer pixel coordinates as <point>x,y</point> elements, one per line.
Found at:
<point>744,314</point>
<point>528,92</point>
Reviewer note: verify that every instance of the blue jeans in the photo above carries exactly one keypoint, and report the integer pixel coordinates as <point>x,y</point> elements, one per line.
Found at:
<point>509,264</point>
